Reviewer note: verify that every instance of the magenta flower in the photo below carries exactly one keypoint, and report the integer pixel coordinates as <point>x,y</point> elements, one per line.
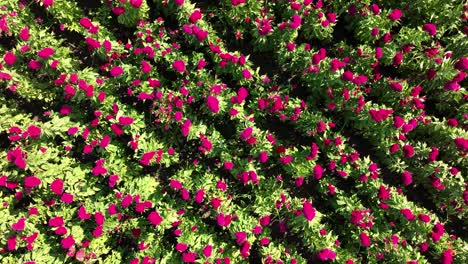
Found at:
<point>213,104</point>
<point>296,21</point>
<point>318,171</point>
<point>67,198</point>
<point>82,214</point>
<point>11,243</point>
<point>145,67</point>
<point>326,254</point>
<point>408,151</point>
<point>207,250</point>
<point>195,16</point>
<point>181,247</point>
<point>452,86</point>
<point>116,71</point>
<point>199,196</point>
<point>223,220</point>
<point>408,214</point>
<point>34,131</point>
<point>246,73</point>
<point>430,29</point>
<point>19,225</point>
<point>24,33</point>
<point>45,52</point>
<point>56,221</point>
<point>406,178</point>
<point>308,210</point>
<point>125,120</point>
<point>9,58</point>
<point>189,257</point>
<point>154,218</point>
<point>136,3</point>
<point>57,186</point>
<point>31,181</point>
<point>179,65</point>
<point>185,127</point>
<point>365,240</point>
<point>446,257</point>
<point>462,64</point>
<point>241,236</point>
<point>68,242</point>
<point>179,2</point>
<point>48,3</point>
<point>424,218</point>
<point>86,22</point>
<point>395,15</point>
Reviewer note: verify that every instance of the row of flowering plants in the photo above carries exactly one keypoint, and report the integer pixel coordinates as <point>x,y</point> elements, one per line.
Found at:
<point>233,131</point>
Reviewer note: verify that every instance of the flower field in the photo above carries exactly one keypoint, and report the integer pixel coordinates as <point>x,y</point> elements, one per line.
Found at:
<point>233,131</point>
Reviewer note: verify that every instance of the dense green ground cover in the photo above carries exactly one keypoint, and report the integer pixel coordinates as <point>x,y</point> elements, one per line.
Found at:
<point>233,131</point>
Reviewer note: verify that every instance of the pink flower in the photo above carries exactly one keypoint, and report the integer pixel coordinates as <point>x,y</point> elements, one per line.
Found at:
<point>195,16</point>
<point>155,218</point>
<point>136,3</point>
<point>185,127</point>
<point>408,214</point>
<point>326,254</point>
<point>86,22</point>
<point>223,220</point>
<point>296,21</point>
<point>24,33</point>
<point>365,240</point>
<point>82,214</point>
<point>245,249</point>
<point>430,28</point>
<point>179,65</point>
<point>246,73</point>
<point>19,225</point>
<point>56,221</point>
<point>398,121</point>
<point>34,131</point>
<point>68,242</point>
<point>11,243</point>
<point>263,156</point>
<point>199,196</point>
<point>308,210</point>
<point>125,120</point>
<point>240,237</point>
<point>318,171</point>
<point>145,67</point>
<point>395,15</point>
<point>9,58</point>
<point>213,104</point>
<point>408,151</point>
<point>181,247</point>
<point>462,64</point>
<point>48,3</point>
<point>34,64</point>
<point>67,198</point>
<point>424,218</point>
<point>397,59</point>
<point>188,257</point>
<point>146,157</point>
<point>179,2</point>
<point>207,250</point>
<point>57,186</point>
<point>45,52</point>
<point>31,181</point>
<point>446,257</point>
<point>116,71</point>
<point>406,178</point>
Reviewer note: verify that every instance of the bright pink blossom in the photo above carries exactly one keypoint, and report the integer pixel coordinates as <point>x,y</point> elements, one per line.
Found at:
<point>45,52</point>
<point>308,210</point>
